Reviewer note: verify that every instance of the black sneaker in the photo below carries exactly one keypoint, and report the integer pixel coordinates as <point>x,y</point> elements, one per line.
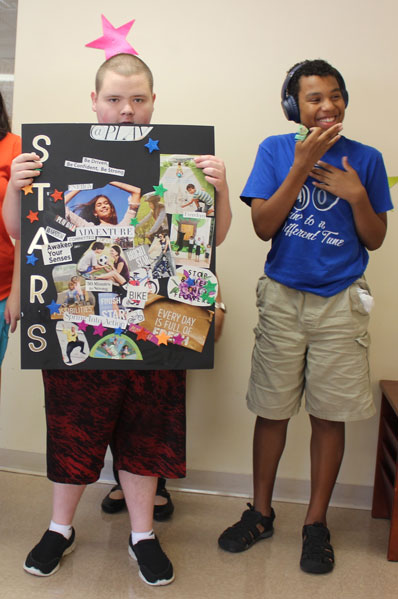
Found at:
<point>317,555</point>
<point>45,557</point>
<point>155,567</point>
<point>252,527</point>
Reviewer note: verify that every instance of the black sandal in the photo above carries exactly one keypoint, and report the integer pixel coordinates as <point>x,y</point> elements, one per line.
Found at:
<point>160,512</point>
<point>246,532</point>
<point>317,556</point>
<point>113,506</point>
<point>164,511</point>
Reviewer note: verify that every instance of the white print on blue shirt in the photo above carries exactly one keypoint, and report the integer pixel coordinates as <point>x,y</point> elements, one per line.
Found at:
<point>321,200</point>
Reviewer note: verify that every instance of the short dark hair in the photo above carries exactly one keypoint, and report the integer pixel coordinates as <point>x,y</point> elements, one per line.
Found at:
<point>318,67</point>
<point>98,245</point>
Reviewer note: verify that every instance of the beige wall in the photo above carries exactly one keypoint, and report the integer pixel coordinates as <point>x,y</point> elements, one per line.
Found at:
<point>222,62</point>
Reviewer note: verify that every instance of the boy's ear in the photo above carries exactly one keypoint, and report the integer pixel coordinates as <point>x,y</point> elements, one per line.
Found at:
<point>94,101</point>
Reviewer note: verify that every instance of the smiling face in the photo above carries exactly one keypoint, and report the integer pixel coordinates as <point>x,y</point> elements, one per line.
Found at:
<point>124,99</point>
<point>103,208</point>
<point>320,101</point>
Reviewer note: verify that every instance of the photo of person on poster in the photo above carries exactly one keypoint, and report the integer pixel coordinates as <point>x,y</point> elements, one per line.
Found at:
<point>156,217</point>
<point>117,271</point>
<point>103,207</point>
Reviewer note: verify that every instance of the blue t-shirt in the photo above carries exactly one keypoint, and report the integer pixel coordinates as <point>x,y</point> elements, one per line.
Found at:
<point>317,248</point>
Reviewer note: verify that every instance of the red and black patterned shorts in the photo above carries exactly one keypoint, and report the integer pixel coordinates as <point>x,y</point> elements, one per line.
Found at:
<point>141,412</point>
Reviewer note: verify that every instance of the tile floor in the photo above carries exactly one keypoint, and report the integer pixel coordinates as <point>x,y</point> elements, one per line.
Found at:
<point>101,568</point>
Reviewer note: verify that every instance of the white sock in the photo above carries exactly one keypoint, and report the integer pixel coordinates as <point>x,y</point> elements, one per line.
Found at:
<point>136,537</point>
<point>63,529</point>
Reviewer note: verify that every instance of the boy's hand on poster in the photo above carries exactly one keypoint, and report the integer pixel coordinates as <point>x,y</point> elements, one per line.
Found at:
<point>24,169</point>
<point>344,183</point>
<point>214,171</point>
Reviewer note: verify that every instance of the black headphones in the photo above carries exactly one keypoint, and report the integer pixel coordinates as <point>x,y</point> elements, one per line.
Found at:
<point>289,105</point>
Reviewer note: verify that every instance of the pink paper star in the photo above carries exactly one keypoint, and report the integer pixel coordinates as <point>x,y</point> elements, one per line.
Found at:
<point>82,326</point>
<point>99,330</point>
<point>178,339</point>
<point>114,39</point>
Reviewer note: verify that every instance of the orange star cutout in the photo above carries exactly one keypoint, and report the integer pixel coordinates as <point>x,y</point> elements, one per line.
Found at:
<point>163,338</point>
<point>28,189</point>
<point>57,195</point>
<point>32,216</point>
<point>142,334</point>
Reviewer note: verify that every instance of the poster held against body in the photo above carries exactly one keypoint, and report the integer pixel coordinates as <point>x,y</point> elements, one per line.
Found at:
<point>117,248</point>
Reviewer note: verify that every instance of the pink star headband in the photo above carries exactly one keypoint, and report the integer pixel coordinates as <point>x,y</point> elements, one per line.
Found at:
<point>113,40</point>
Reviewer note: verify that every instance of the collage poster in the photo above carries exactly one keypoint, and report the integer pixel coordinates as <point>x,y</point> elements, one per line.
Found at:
<point>118,248</point>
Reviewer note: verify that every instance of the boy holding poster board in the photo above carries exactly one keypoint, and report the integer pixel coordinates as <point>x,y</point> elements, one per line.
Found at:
<point>142,412</point>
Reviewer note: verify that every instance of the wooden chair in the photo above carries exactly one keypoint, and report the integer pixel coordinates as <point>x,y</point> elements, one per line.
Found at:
<point>385,491</point>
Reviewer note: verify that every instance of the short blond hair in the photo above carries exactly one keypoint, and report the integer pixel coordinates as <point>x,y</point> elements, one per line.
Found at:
<point>123,64</point>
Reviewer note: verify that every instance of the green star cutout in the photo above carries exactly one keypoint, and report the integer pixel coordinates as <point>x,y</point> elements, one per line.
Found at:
<point>210,286</point>
<point>134,221</point>
<point>159,189</point>
<point>209,299</point>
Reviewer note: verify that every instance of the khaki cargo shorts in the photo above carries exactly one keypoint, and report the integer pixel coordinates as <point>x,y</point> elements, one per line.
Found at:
<point>312,345</point>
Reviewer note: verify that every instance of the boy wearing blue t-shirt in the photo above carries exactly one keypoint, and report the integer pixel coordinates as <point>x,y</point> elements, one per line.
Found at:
<point>322,199</point>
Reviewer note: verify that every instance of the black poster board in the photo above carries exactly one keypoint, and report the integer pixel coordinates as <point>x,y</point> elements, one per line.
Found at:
<point>118,248</point>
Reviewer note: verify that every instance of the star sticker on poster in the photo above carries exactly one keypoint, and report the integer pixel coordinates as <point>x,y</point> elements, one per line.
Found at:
<point>99,330</point>
<point>32,216</point>
<point>27,189</point>
<point>57,195</point>
<point>118,331</point>
<point>152,145</point>
<point>210,287</point>
<point>134,222</point>
<point>31,259</point>
<point>142,334</point>
<point>113,40</point>
<point>53,307</point>
<point>160,190</point>
<point>178,339</point>
<point>207,298</point>
<point>82,325</point>
<point>163,338</point>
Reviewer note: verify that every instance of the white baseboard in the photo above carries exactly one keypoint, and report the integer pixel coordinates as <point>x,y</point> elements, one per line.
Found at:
<point>215,483</point>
